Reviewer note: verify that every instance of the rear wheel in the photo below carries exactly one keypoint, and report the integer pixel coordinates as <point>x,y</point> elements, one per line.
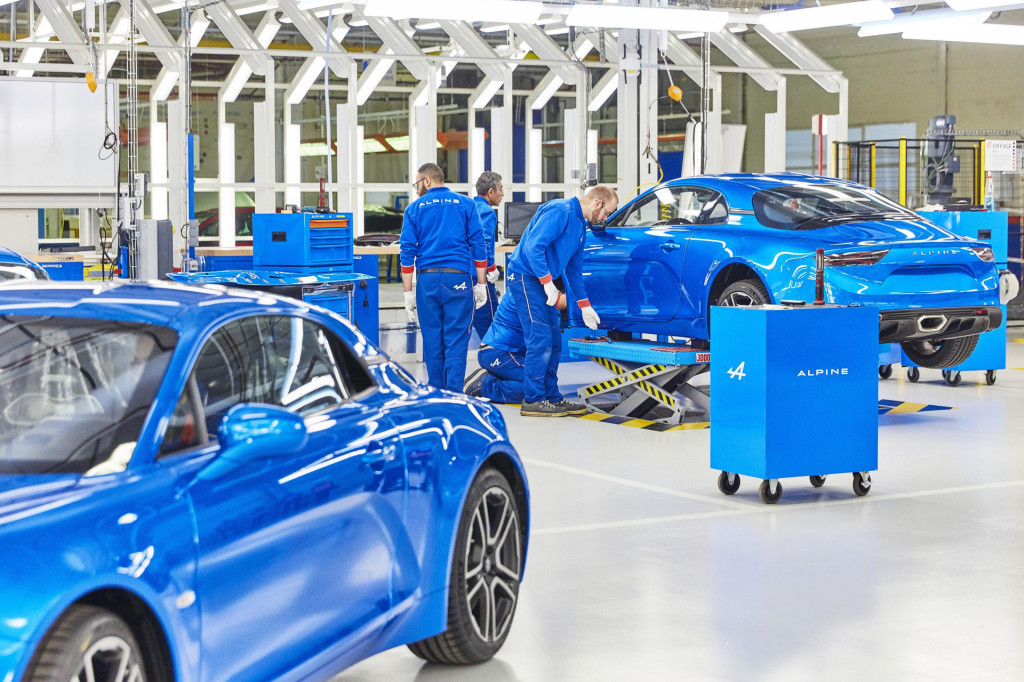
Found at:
<point>87,643</point>
<point>745,292</point>
<point>486,571</point>
<point>938,354</point>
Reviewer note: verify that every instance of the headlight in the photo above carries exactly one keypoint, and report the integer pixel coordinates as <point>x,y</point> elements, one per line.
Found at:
<point>984,253</point>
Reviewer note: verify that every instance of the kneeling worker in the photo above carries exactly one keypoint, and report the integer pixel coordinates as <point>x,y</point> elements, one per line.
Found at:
<point>502,356</point>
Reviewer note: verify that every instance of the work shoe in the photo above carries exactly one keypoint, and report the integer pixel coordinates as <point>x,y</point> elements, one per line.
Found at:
<point>542,409</point>
<point>571,408</point>
<point>475,383</point>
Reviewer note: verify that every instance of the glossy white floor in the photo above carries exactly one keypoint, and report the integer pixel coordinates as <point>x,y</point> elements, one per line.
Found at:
<point>639,569</point>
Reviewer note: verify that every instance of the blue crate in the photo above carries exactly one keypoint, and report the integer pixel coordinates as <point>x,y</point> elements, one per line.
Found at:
<point>790,396</point>
<point>303,241</point>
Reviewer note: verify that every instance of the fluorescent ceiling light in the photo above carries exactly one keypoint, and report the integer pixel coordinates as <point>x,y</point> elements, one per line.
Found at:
<point>371,145</point>
<point>491,27</point>
<point>512,11</point>
<point>993,34</point>
<point>557,30</point>
<point>936,18</point>
<point>316,4</point>
<point>966,5</point>
<point>314,149</point>
<point>401,143</point>
<point>843,14</point>
<point>735,28</point>
<point>652,18</point>
<point>427,25</point>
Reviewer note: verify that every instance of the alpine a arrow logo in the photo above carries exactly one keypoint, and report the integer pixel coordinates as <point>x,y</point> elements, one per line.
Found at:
<point>828,372</point>
<point>496,363</point>
<point>461,286</point>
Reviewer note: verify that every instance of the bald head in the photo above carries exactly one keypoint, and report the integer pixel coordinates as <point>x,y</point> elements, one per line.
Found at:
<point>599,203</point>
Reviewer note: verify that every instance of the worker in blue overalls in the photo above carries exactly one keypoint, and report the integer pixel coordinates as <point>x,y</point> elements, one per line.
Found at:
<point>443,243</point>
<point>489,193</point>
<point>502,358</point>
<point>552,246</point>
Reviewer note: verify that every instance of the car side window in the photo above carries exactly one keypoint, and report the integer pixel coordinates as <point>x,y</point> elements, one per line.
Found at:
<point>675,206</point>
<point>278,360</point>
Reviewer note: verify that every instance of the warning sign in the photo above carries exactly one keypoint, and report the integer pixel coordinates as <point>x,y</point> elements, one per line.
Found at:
<point>1000,155</point>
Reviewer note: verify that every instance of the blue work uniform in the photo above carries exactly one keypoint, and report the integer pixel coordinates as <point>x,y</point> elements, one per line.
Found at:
<point>551,246</point>
<point>489,219</point>
<point>503,355</point>
<point>442,240</point>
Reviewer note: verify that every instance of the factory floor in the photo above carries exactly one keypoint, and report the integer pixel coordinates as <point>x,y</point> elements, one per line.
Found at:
<point>639,569</point>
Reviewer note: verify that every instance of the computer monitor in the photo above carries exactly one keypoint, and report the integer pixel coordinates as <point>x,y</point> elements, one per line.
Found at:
<point>518,215</point>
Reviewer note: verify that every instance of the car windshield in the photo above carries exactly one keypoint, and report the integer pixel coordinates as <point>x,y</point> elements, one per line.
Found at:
<point>10,271</point>
<point>809,207</point>
<point>74,392</point>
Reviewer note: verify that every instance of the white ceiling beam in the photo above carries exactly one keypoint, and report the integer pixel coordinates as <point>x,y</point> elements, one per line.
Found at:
<point>395,38</point>
<point>117,34</point>
<point>682,56</point>
<point>304,79</point>
<point>473,43</point>
<point>544,91</point>
<point>67,30</point>
<point>155,33</point>
<point>315,33</point>
<point>801,55</point>
<point>741,53</point>
<point>166,79</point>
<point>31,55</point>
<point>238,34</point>
<point>547,49</point>
<point>240,72</point>
<point>372,75</point>
<point>603,89</point>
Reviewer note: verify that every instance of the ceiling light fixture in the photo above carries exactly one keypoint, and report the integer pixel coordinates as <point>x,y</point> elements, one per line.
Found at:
<point>935,18</point>
<point>651,18</point>
<point>992,34</point>
<point>512,11</point>
<point>864,11</point>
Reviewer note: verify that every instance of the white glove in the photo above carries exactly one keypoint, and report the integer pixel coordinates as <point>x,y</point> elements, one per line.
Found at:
<point>553,293</point>
<point>410,305</point>
<point>493,275</point>
<point>1008,287</point>
<point>590,317</point>
<point>479,295</point>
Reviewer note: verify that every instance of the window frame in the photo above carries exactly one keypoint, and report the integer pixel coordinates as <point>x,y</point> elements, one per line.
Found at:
<point>702,216</point>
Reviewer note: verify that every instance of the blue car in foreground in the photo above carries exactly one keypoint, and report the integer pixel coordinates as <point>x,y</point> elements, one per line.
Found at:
<point>663,259</point>
<point>199,483</point>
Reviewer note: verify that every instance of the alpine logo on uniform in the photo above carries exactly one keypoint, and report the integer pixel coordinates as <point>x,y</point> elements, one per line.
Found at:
<point>461,286</point>
<point>496,363</point>
<point>511,277</point>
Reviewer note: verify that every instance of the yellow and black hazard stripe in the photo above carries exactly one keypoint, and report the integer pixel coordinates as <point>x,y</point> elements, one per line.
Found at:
<point>632,379</point>
<point>611,365</point>
<point>642,423</point>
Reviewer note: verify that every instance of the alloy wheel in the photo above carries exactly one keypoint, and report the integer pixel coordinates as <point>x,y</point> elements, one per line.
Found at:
<point>493,563</point>
<point>109,659</point>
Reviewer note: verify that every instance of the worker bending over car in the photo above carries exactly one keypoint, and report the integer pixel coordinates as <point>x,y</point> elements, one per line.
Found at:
<point>552,246</point>
<point>443,243</point>
<point>489,195</point>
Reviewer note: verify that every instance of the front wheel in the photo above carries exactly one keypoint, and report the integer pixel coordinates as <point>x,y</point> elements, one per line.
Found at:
<point>87,643</point>
<point>486,572</point>
<point>940,354</point>
<point>746,292</point>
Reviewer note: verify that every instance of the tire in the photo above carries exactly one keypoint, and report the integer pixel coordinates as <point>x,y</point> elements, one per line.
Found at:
<point>885,371</point>
<point>939,354</point>
<point>765,492</point>
<point>86,636</point>
<point>990,377</point>
<point>913,374</point>
<point>952,377</point>
<point>861,484</point>
<point>723,483</point>
<point>745,292</point>
<point>817,481</point>
<point>486,572</point>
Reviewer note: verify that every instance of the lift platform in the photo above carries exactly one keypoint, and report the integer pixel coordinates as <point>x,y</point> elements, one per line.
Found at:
<point>653,380</point>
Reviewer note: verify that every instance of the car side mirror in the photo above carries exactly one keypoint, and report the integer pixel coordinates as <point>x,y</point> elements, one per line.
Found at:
<point>252,431</point>
<point>597,227</point>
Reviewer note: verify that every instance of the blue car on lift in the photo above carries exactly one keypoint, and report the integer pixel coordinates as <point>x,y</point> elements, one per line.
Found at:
<point>15,266</point>
<point>664,258</point>
<point>198,483</point>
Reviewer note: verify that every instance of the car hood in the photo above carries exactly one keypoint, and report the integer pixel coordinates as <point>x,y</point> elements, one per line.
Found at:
<point>873,233</point>
<point>25,496</point>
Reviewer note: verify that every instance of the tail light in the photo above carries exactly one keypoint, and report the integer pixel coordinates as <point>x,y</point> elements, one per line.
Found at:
<point>984,253</point>
<point>855,258</point>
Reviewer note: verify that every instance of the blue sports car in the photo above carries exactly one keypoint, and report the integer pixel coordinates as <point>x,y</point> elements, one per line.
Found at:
<point>663,259</point>
<point>199,483</point>
<point>15,266</point>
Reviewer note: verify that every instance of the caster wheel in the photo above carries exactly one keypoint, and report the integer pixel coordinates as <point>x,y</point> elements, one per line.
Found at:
<point>952,377</point>
<point>990,377</point>
<point>913,374</point>
<point>885,371</point>
<point>817,481</point>
<point>724,485</point>
<point>861,483</point>
<point>766,495</point>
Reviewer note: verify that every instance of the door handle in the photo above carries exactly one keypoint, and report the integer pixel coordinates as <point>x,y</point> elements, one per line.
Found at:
<point>669,246</point>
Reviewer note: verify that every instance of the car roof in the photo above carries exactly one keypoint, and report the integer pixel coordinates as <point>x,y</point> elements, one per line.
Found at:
<point>9,256</point>
<point>738,188</point>
<point>169,304</point>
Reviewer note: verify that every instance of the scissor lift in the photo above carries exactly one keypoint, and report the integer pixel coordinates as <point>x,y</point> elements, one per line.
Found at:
<point>652,379</point>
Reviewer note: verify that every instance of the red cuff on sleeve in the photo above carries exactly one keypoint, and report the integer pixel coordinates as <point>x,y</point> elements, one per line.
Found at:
<point>408,269</point>
<point>480,263</point>
<point>492,268</point>
<point>583,303</point>
<point>545,279</point>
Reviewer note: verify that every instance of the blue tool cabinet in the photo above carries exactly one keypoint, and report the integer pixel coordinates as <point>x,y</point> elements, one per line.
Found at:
<point>794,393</point>
<point>303,242</point>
